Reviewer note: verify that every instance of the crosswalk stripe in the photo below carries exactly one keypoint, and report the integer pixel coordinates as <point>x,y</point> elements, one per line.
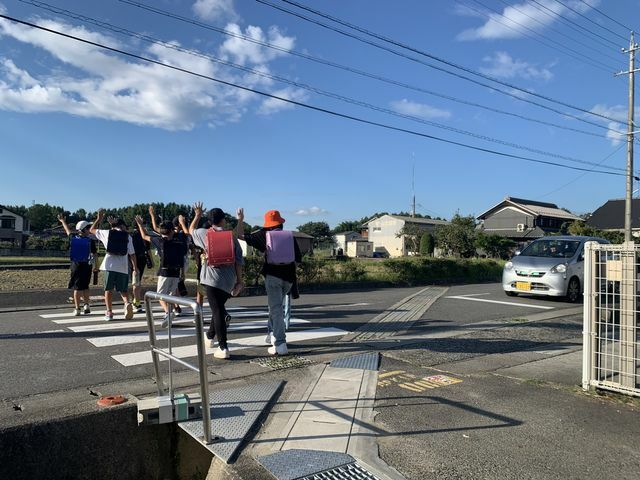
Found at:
<point>103,312</point>
<point>115,340</point>
<point>207,313</point>
<point>143,358</point>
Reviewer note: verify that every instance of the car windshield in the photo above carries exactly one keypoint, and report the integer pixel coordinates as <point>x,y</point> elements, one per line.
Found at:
<point>551,248</point>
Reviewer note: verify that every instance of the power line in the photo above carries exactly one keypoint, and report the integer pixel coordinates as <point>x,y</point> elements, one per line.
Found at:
<point>589,20</point>
<point>628,29</point>
<point>410,48</point>
<point>571,23</point>
<point>583,173</point>
<point>352,101</point>
<point>301,104</point>
<point>592,62</point>
<point>559,32</point>
<point>515,96</point>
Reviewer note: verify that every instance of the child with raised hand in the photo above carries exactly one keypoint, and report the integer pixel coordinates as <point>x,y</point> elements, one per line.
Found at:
<point>115,264</point>
<point>221,275</point>
<point>82,249</point>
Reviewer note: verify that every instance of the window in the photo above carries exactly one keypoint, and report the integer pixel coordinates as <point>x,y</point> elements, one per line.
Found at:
<point>377,229</point>
<point>8,222</point>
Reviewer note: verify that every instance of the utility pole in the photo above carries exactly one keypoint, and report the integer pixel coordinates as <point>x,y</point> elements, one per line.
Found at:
<point>413,191</point>
<point>630,137</point>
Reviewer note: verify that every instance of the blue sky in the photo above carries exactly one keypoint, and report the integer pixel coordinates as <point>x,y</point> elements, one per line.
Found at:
<point>85,128</point>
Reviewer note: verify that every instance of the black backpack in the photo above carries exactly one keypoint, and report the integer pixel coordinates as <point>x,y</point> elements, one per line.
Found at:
<point>173,252</point>
<point>118,242</point>
<point>138,244</point>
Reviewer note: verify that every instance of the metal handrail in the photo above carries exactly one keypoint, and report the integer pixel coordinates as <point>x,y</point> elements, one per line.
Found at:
<point>156,352</point>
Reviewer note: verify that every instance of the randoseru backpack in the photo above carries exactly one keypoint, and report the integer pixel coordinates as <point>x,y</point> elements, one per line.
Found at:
<point>220,248</point>
<point>173,252</point>
<point>280,249</point>
<point>118,242</point>
<point>80,249</point>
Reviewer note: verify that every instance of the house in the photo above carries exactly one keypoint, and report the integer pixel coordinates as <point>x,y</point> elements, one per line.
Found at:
<point>610,216</point>
<point>384,232</point>
<point>14,228</point>
<point>343,238</point>
<point>523,220</point>
<point>359,247</point>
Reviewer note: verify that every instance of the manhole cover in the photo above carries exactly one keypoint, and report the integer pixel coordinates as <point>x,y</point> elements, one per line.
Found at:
<point>351,471</point>
<point>280,363</point>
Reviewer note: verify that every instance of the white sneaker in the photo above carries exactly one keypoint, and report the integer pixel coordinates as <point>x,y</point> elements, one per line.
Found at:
<point>220,353</point>
<point>209,342</point>
<point>108,316</point>
<point>278,350</point>
<point>128,311</point>
<point>268,339</point>
<point>87,309</point>
<point>76,312</point>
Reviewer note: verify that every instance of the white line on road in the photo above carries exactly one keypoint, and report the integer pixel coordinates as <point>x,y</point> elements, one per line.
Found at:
<point>206,312</point>
<point>143,358</point>
<point>460,297</point>
<point>474,295</point>
<point>102,312</point>
<point>177,333</point>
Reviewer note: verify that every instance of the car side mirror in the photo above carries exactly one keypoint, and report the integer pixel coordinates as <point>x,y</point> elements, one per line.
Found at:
<point>516,253</point>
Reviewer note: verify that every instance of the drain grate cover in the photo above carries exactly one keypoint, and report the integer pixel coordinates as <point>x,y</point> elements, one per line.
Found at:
<point>365,361</point>
<point>280,363</point>
<point>299,464</point>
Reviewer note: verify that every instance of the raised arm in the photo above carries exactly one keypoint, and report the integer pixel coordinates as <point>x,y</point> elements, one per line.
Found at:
<point>63,221</point>
<point>240,225</point>
<point>183,224</point>
<point>152,214</point>
<point>143,231</point>
<point>96,224</point>
<point>197,210</point>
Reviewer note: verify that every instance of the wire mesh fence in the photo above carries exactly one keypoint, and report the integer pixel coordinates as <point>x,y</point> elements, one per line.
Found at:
<point>611,310</point>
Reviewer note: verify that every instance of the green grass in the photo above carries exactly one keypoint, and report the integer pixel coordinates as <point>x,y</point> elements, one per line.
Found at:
<point>32,260</point>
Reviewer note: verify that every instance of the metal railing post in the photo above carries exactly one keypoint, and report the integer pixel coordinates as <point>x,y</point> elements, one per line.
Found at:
<point>152,341</point>
<point>202,371</point>
<point>588,310</point>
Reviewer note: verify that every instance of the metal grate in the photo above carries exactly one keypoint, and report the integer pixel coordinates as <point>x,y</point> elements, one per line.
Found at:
<point>611,310</point>
<point>351,471</point>
<point>280,363</point>
<point>365,361</point>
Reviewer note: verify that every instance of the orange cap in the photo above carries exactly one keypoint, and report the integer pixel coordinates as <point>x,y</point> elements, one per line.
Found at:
<point>272,219</point>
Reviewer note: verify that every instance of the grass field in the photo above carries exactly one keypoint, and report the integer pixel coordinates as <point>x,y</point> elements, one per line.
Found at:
<point>32,260</point>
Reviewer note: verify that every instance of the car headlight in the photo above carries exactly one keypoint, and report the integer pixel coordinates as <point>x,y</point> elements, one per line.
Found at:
<point>508,265</point>
<point>560,268</point>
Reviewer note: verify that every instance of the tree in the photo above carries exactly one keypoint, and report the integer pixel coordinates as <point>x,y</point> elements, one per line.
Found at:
<point>411,232</point>
<point>495,246</point>
<point>458,237</point>
<point>42,217</point>
<point>348,226</point>
<point>34,243</point>
<point>579,227</point>
<point>427,244</point>
<point>320,231</point>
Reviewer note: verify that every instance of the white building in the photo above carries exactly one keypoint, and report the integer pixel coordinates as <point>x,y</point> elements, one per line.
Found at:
<point>359,247</point>
<point>343,238</point>
<point>384,232</point>
<point>13,227</point>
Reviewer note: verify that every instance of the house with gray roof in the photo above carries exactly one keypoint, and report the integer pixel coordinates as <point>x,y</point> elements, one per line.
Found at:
<point>385,232</point>
<point>610,216</point>
<point>523,220</point>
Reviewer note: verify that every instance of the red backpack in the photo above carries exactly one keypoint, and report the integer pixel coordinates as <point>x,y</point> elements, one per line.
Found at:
<point>220,248</point>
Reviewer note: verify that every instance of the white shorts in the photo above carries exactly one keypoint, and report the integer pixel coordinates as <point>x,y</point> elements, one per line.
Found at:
<point>168,285</point>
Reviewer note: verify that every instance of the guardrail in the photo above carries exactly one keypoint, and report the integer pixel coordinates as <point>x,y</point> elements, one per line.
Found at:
<point>157,352</point>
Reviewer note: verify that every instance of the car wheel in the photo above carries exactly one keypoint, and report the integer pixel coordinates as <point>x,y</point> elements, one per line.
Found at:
<point>511,294</point>
<point>573,290</point>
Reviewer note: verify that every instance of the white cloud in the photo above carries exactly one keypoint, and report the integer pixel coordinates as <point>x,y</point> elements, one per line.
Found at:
<point>244,52</point>
<point>272,105</point>
<point>421,110</point>
<point>503,65</point>
<point>103,85</point>
<point>309,212</point>
<point>514,20</point>
<point>215,9</point>
<point>616,112</point>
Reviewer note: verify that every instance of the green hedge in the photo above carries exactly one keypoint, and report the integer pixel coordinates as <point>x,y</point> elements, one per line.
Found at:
<point>413,271</point>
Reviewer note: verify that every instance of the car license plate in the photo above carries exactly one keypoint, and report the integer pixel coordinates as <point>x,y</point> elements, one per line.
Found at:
<point>526,286</point>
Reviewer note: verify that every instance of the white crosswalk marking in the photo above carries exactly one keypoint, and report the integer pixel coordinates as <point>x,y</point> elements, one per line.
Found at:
<point>143,358</point>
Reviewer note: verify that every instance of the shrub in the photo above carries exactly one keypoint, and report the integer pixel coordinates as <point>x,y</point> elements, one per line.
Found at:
<point>7,245</point>
<point>251,270</point>
<point>309,269</point>
<point>56,243</point>
<point>427,244</point>
<point>35,243</point>
<point>353,272</point>
<point>420,270</point>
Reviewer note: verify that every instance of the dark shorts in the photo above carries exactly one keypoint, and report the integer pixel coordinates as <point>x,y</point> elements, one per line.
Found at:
<point>141,262</point>
<point>80,275</point>
<point>116,280</point>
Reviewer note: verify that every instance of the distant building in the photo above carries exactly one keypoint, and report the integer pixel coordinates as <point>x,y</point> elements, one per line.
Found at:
<point>610,216</point>
<point>14,228</point>
<point>358,248</point>
<point>343,238</point>
<point>384,232</point>
<point>522,220</point>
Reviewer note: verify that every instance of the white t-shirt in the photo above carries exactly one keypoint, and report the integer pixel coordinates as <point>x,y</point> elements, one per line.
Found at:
<point>111,262</point>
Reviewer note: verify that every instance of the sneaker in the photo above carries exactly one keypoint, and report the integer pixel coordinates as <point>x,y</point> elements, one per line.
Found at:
<point>268,339</point>
<point>108,316</point>
<point>165,320</point>
<point>220,353</point>
<point>227,320</point>
<point>76,312</point>
<point>177,310</point>
<point>87,309</point>
<point>138,308</point>
<point>208,342</point>
<point>128,311</point>
<point>278,350</point>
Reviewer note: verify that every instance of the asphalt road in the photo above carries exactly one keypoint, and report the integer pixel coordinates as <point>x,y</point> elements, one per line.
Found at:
<point>50,350</point>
